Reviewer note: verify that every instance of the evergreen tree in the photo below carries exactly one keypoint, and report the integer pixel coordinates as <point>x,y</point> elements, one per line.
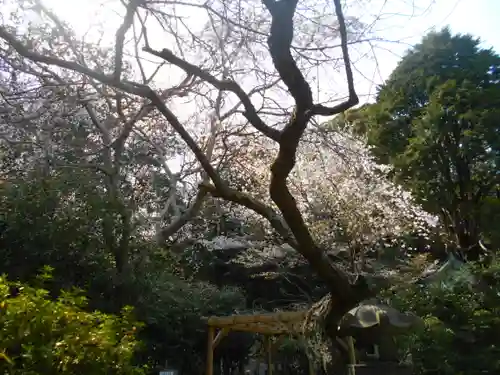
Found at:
<point>436,119</point>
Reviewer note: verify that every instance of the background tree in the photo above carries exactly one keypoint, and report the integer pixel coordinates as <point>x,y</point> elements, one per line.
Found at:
<point>436,121</point>
<point>82,193</point>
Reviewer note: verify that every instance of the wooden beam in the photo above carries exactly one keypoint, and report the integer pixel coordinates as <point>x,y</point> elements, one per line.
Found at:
<point>310,366</point>
<point>279,317</point>
<point>265,329</point>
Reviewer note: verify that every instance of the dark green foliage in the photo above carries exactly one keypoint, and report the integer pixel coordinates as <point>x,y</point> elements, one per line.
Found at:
<point>439,59</point>
<point>58,221</point>
<point>173,309</point>
<point>436,120</point>
<point>462,324</point>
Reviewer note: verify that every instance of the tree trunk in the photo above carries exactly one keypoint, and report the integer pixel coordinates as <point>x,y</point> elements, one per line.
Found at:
<point>322,341</point>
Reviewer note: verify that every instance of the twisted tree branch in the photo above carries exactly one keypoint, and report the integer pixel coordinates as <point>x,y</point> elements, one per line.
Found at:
<point>224,85</point>
<point>120,37</point>
<point>279,42</point>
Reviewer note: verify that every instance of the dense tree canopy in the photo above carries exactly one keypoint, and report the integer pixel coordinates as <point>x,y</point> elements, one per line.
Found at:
<point>436,121</point>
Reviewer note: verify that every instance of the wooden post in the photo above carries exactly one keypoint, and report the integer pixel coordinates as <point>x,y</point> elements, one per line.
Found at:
<point>352,356</point>
<point>310,366</point>
<point>210,351</point>
<point>269,356</point>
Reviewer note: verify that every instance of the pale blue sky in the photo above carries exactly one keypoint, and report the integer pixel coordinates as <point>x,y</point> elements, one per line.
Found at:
<point>480,18</point>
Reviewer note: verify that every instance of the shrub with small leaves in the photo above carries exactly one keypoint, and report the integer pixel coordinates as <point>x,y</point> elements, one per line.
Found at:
<point>39,335</point>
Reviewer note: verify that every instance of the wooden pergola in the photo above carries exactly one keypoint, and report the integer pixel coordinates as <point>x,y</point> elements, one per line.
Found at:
<point>269,324</point>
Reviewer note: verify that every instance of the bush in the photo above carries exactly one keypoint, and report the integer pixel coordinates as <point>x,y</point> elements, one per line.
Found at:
<point>43,336</point>
<point>462,324</point>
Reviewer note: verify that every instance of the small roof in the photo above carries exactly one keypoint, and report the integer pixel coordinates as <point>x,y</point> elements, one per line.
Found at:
<point>279,323</point>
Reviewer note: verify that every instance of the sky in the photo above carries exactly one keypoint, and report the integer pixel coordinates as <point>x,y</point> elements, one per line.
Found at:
<point>479,18</point>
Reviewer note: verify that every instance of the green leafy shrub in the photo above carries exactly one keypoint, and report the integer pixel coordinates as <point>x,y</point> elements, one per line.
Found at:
<point>41,227</point>
<point>43,336</point>
<point>462,324</point>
